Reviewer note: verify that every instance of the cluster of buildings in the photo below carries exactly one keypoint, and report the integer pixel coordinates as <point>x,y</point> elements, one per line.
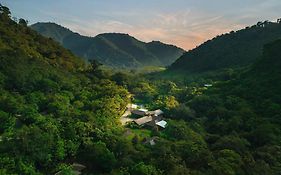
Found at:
<point>153,119</point>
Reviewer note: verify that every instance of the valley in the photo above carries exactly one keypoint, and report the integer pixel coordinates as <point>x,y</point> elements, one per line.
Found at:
<point>215,110</point>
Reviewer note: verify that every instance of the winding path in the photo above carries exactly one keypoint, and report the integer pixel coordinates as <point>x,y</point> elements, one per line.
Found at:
<point>124,119</point>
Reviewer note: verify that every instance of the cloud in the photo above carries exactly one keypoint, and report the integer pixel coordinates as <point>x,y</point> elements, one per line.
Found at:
<point>183,23</point>
<point>186,29</point>
<point>181,29</point>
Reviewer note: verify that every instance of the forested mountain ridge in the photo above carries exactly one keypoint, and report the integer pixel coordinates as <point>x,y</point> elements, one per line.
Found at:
<point>113,49</point>
<point>228,127</point>
<point>19,39</point>
<point>231,50</point>
<point>51,29</point>
<point>263,80</point>
<point>245,113</point>
<point>53,109</point>
<point>54,114</point>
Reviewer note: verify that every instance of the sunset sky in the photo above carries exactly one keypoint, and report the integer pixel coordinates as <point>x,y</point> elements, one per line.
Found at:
<point>185,23</point>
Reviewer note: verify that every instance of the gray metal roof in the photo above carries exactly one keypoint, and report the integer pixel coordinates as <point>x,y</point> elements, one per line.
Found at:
<point>143,120</point>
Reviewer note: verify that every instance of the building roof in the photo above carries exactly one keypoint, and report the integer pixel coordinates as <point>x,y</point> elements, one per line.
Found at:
<point>208,85</point>
<point>143,120</point>
<point>162,123</point>
<point>132,106</point>
<point>139,111</point>
<point>158,112</point>
<point>143,110</point>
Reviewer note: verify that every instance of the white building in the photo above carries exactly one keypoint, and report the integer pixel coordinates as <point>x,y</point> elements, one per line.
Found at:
<point>162,124</point>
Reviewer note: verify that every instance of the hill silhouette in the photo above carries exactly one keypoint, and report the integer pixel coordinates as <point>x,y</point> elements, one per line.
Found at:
<point>112,49</point>
<point>231,50</point>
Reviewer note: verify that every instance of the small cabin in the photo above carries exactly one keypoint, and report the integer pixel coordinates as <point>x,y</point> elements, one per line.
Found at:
<point>152,121</point>
<point>161,124</point>
<point>143,120</point>
<point>155,113</point>
<point>141,111</point>
<point>132,106</point>
<point>158,112</point>
<point>208,85</point>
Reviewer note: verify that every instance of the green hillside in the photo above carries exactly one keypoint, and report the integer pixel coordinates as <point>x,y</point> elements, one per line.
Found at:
<point>57,112</point>
<point>112,49</point>
<point>53,108</point>
<point>243,115</point>
<point>231,50</point>
<point>58,34</point>
<point>235,123</point>
<point>262,82</point>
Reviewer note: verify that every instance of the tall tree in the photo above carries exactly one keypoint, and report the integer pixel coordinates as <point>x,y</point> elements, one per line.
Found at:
<point>5,10</point>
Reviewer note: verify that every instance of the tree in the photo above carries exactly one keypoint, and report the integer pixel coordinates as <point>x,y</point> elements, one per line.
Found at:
<point>2,79</point>
<point>182,112</point>
<point>135,140</point>
<point>228,163</point>
<point>5,10</point>
<point>144,91</point>
<point>202,104</point>
<point>95,65</point>
<point>260,24</point>
<point>23,22</point>
<point>143,169</point>
<point>65,170</point>
<point>98,156</point>
<point>232,142</point>
<point>166,102</point>
<point>121,78</point>
<point>264,133</point>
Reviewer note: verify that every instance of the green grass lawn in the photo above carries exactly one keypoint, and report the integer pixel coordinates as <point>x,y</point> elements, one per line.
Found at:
<point>141,133</point>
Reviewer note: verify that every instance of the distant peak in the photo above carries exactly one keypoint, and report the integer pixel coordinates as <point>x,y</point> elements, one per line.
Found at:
<point>117,35</point>
<point>113,33</point>
<point>154,41</point>
<point>47,23</point>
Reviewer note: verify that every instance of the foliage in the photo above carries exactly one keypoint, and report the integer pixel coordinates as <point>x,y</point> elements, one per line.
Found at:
<point>143,169</point>
<point>56,111</point>
<point>112,49</point>
<point>51,105</point>
<point>231,50</point>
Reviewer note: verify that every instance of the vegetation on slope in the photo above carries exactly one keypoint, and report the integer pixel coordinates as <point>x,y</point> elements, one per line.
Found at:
<point>52,111</point>
<point>112,49</point>
<point>230,128</point>
<point>242,115</point>
<point>53,114</point>
<point>231,50</point>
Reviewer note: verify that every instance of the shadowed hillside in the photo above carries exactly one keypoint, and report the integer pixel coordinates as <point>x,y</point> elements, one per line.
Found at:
<point>49,100</point>
<point>113,49</point>
<point>59,115</point>
<point>231,50</point>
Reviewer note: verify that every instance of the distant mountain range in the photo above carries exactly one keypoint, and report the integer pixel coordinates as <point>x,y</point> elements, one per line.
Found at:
<point>112,49</point>
<point>231,50</point>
